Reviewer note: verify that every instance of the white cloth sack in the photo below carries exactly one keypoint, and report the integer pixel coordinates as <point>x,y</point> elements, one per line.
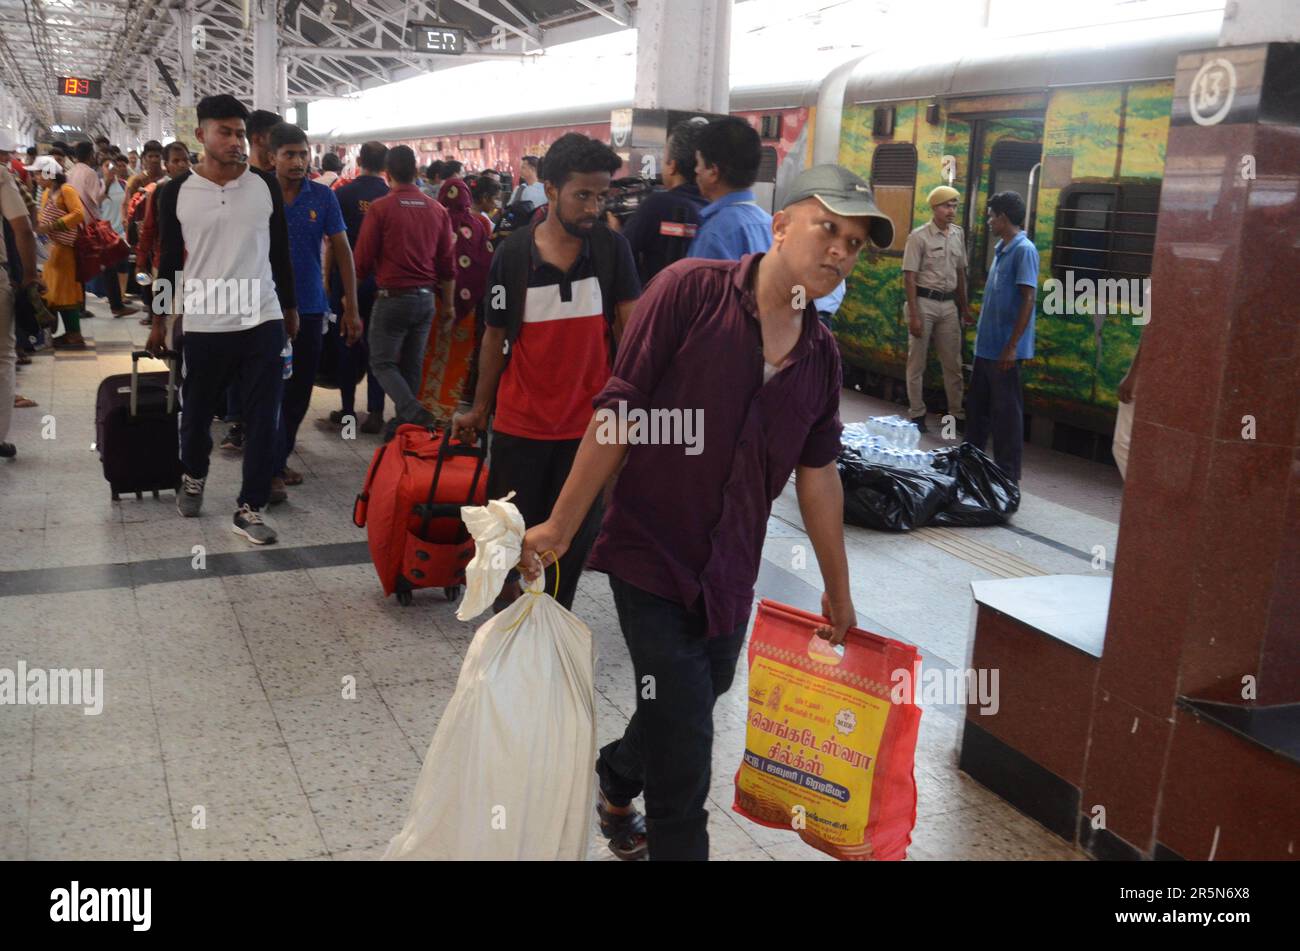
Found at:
<point>510,771</point>
<point>498,531</point>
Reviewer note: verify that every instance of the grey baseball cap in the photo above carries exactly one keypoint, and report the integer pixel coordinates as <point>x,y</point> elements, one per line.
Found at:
<point>842,193</point>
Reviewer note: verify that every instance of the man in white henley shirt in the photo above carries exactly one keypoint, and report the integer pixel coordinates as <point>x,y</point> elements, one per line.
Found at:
<point>225,269</point>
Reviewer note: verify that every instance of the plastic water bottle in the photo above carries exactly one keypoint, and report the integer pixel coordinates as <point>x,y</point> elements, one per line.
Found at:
<point>286,355</point>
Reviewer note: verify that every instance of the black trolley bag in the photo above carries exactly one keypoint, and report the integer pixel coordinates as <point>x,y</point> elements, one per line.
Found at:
<point>136,428</point>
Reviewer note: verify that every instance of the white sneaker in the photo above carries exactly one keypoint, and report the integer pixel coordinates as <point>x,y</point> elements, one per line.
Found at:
<point>190,497</point>
<point>249,523</point>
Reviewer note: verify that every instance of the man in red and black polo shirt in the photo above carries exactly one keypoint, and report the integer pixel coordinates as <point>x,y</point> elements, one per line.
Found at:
<point>559,293</point>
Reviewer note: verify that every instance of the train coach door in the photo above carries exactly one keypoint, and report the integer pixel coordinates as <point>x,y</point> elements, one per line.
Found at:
<point>1009,153</point>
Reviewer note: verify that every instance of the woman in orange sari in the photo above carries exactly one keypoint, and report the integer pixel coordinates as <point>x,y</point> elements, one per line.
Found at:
<point>60,215</point>
<point>451,341</point>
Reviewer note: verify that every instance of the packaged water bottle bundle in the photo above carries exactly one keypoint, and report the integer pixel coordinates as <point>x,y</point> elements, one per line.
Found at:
<point>888,441</point>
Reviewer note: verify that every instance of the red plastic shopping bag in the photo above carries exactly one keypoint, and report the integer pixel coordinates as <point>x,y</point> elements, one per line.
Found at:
<point>831,736</point>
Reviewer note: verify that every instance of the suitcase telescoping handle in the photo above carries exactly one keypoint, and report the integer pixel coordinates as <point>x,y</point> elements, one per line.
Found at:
<point>172,358</point>
<point>477,450</point>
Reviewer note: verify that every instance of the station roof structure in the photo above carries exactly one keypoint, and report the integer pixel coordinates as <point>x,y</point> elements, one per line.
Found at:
<point>330,48</point>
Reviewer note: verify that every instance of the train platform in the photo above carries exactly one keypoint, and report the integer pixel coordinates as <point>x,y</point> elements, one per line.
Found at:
<point>223,733</point>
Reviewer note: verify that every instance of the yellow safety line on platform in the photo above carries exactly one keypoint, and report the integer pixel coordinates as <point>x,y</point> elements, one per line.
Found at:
<point>991,559</point>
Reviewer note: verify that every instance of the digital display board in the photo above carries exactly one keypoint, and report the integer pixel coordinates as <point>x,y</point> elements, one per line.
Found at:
<point>75,86</point>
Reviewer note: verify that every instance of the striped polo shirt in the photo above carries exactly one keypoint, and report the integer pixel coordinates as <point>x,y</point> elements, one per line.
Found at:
<point>561,359</point>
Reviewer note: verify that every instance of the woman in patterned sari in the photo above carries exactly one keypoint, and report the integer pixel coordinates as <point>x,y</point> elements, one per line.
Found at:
<point>451,342</point>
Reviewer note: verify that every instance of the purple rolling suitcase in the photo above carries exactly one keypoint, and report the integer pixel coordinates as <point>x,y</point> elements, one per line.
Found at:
<point>136,429</point>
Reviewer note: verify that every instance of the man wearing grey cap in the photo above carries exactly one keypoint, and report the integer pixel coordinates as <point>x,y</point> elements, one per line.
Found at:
<point>735,347</point>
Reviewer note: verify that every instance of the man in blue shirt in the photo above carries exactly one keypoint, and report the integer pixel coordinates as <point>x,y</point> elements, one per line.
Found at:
<point>732,225</point>
<point>432,180</point>
<point>728,155</point>
<point>828,306</point>
<point>313,214</point>
<point>529,189</point>
<point>111,209</point>
<point>1004,337</point>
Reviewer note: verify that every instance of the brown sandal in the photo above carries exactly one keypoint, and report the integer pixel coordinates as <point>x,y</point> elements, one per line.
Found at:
<point>22,402</point>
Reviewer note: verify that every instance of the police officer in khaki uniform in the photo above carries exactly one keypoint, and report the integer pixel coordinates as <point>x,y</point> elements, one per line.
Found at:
<point>934,274</point>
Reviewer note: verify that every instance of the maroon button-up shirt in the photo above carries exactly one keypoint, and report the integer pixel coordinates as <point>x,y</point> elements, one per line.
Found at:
<point>405,241</point>
<point>690,528</point>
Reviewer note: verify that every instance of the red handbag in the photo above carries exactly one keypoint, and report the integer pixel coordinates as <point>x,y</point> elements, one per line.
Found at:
<point>98,247</point>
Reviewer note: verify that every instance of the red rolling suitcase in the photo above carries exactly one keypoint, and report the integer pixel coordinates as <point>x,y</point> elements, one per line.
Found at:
<point>410,508</point>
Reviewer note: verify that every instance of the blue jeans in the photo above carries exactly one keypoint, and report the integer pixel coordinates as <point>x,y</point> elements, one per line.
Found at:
<point>297,389</point>
<point>399,333</point>
<point>248,360</point>
<point>994,406</point>
<point>667,749</point>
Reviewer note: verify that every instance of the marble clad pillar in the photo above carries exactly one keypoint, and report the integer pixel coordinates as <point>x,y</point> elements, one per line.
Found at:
<point>1206,594</point>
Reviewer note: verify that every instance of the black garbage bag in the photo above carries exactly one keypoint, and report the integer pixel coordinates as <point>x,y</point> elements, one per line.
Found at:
<point>889,499</point>
<point>985,495</point>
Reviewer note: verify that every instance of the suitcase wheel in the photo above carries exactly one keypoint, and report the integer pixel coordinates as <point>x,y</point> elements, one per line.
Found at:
<point>116,497</point>
<point>452,592</point>
<point>404,598</point>
<point>155,493</point>
<point>139,495</point>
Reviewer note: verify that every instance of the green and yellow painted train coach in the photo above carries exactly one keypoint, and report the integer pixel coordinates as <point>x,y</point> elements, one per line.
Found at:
<point>1076,122</point>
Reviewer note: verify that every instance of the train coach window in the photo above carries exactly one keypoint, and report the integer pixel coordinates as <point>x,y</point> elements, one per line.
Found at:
<point>882,122</point>
<point>764,187</point>
<point>1106,231</point>
<point>893,184</point>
